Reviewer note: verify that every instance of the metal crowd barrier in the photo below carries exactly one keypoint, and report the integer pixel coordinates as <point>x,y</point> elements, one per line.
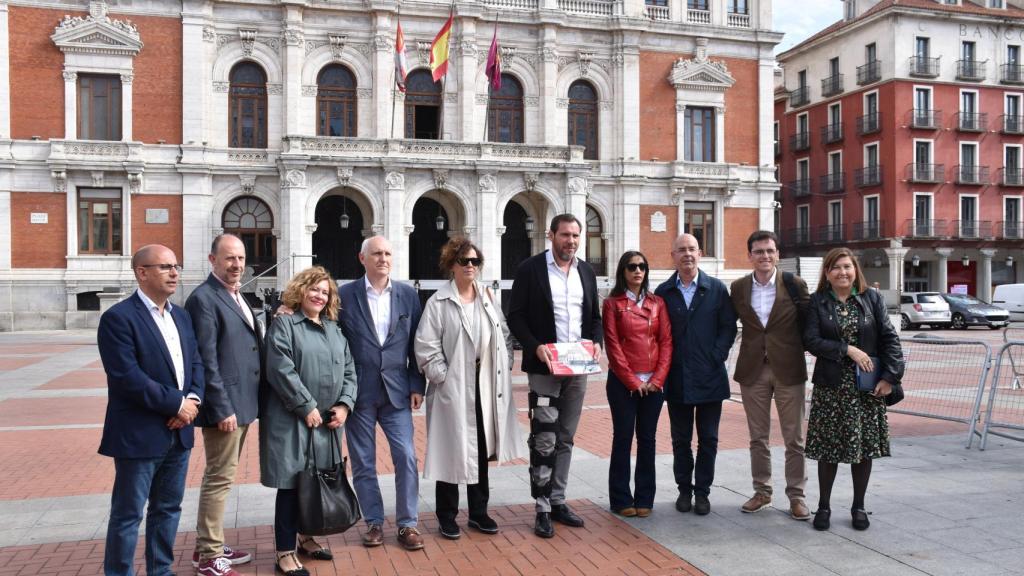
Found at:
<point>1005,409</point>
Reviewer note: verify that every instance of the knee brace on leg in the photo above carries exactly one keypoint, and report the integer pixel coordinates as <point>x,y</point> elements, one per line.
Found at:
<point>543,435</point>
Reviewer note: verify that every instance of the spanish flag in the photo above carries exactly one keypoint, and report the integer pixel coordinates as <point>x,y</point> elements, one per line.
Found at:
<point>439,49</point>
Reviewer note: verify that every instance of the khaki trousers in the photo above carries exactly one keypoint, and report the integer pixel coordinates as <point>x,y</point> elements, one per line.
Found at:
<point>222,453</point>
<point>790,407</point>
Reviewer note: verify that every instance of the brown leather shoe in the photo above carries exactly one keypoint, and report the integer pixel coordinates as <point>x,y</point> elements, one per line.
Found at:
<point>410,539</point>
<point>799,511</point>
<point>373,537</point>
<point>628,511</point>
<point>757,503</point>
<point>643,512</point>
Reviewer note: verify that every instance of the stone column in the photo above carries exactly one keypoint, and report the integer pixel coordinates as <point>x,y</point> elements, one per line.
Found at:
<point>70,105</point>
<point>942,269</point>
<point>198,221</point>
<point>196,41</point>
<point>720,129</point>
<point>395,228</point>
<point>576,204</point>
<point>984,279</point>
<point>293,225</point>
<point>5,75</point>
<point>896,256</point>
<point>549,99</point>
<point>681,129</point>
<point>488,220</point>
<point>766,111</point>
<point>294,41</point>
<point>627,97</point>
<point>680,204</point>
<point>384,75</point>
<point>465,58</point>
<point>126,107</point>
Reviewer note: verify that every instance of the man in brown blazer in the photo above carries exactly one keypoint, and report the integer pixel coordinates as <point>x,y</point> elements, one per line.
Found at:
<point>769,303</point>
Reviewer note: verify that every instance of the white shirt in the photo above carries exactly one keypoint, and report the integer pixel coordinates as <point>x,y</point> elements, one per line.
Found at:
<point>169,331</point>
<point>762,297</point>
<point>566,300</point>
<point>380,308</point>
<point>236,295</point>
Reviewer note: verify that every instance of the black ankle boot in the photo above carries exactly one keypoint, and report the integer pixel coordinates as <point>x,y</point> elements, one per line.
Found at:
<point>822,519</point>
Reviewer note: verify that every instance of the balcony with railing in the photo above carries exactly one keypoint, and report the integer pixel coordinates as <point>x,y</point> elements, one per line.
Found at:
<point>924,67</point>
<point>1011,124</point>
<point>972,121</point>
<point>925,118</point>
<point>914,228</point>
<point>1011,74</point>
<point>1009,230</point>
<point>971,174</point>
<point>657,12</point>
<point>831,233</point>
<point>832,85</point>
<point>970,70</point>
<point>870,72</point>
<point>971,229</point>
<point>588,7</point>
<point>797,237</point>
<point>513,4</point>
<point>868,176</point>
<point>800,97</point>
<point>926,173</point>
<point>737,20</point>
<point>869,123</point>
<point>697,16</point>
<point>801,188</point>
<point>1011,177</point>
<point>834,183</point>
<point>832,133</point>
<point>800,141</point>
<point>869,230</point>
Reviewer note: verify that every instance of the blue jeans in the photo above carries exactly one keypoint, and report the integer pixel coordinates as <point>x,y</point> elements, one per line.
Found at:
<point>691,477</point>
<point>632,412</point>
<point>361,433</point>
<point>162,482</point>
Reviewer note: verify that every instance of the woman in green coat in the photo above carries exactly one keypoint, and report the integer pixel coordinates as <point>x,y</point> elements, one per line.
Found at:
<point>312,380</point>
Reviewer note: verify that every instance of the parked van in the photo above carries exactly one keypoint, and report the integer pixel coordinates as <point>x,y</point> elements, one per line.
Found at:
<point>1010,297</point>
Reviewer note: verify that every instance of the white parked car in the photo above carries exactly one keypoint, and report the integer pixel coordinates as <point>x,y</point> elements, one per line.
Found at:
<point>1010,297</point>
<point>917,308</point>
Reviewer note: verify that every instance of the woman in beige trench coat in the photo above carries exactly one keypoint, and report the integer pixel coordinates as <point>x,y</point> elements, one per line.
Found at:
<point>463,348</point>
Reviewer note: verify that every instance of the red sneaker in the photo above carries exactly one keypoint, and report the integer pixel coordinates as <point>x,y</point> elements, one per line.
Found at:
<point>233,556</point>
<point>219,566</point>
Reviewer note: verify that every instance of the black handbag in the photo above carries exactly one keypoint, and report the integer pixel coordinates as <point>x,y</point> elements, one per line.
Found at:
<point>896,396</point>
<point>327,503</point>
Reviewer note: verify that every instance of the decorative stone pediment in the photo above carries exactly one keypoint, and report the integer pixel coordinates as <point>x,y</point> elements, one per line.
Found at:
<point>97,33</point>
<point>700,73</point>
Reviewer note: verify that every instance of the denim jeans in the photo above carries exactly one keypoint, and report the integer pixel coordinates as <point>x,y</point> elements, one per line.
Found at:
<point>161,481</point>
<point>632,412</point>
<point>691,477</point>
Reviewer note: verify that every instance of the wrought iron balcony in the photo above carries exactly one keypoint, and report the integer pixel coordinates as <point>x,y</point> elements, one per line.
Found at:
<point>832,85</point>
<point>926,173</point>
<point>1011,177</point>
<point>971,174</point>
<point>870,72</point>
<point>800,141</point>
<point>869,230</point>
<point>924,67</point>
<point>831,233</point>
<point>1012,123</point>
<point>801,188</point>
<point>797,237</point>
<point>925,118</point>
<point>1009,230</point>
<point>869,123</point>
<point>972,121</point>
<point>868,176</point>
<point>1011,74</point>
<point>914,228</point>
<point>834,183</point>
<point>971,229</point>
<point>800,97</point>
<point>832,133</point>
<point>970,70</point>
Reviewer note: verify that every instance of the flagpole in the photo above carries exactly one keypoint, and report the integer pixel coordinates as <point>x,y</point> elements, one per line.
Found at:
<point>487,109</point>
<point>394,73</point>
<point>444,79</point>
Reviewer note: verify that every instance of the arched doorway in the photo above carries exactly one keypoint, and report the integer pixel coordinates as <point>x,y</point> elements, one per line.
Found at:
<point>338,237</point>
<point>595,243</point>
<point>515,242</point>
<point>426,240</point>
<point>422,106</point>
<point>250,219</point>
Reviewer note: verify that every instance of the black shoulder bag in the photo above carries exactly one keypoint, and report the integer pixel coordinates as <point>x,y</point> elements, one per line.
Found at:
<point>801,309</point>
<point>327,503</point>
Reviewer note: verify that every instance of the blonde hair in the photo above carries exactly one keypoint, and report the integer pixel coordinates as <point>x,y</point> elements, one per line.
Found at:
<point>295,292</point>
<point>860,284</point>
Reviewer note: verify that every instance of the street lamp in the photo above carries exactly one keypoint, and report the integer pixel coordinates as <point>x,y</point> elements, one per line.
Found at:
<point>878,261</point>
<point>528,224</point>
<point>439,222</point>
<point>965,261</point>
<point>915,261</point>
<point>1009,261</point>
<point>344,219</point>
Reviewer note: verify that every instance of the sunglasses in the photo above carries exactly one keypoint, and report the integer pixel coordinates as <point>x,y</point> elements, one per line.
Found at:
<point>633,267</point>
<point>476,262</point>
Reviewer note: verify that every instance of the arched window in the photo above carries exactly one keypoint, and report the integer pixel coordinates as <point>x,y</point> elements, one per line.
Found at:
<point>247,112</point>
<point>505,112</point>
<point>583,118</point>
<point>336,102</point>
<point>251,220</point>
<point>595,243</point>
<point>422,105</point>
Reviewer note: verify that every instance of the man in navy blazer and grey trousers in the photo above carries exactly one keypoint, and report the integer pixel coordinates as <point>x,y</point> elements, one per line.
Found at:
<point>154,388</point>
<point>379,318</point>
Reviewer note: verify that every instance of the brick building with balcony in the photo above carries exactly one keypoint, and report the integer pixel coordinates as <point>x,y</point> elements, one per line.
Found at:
<point>124,123</point>
<point>900,131</point>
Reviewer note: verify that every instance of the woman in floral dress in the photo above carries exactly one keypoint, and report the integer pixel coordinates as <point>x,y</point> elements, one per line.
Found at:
<point>848,328</point>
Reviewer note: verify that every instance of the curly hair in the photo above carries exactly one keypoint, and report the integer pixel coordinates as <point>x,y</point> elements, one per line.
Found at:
<point>295,292</point>
<point>457,247</point>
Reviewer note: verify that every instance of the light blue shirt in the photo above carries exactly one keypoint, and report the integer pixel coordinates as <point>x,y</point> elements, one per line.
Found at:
<point>688,290</point>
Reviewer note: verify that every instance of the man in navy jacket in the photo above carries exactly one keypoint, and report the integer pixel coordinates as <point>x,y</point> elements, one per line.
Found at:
<point>703,330</point>
<point>154,388</point>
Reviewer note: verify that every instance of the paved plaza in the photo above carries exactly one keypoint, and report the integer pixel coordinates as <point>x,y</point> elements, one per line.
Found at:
<point>938,508</point>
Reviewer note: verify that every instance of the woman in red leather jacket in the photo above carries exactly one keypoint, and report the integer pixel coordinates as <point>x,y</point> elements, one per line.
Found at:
<point>638,343</point>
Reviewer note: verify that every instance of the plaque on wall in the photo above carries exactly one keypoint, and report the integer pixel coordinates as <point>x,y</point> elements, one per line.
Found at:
<point>157,216</point>
<point>39,218</point>
<point>658,222</point>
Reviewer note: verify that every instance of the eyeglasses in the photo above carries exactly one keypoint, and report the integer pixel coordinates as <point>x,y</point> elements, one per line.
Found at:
<point>163,267</point>
<point>634,266</point>
<point>764,252</point>
<point>475,262</point>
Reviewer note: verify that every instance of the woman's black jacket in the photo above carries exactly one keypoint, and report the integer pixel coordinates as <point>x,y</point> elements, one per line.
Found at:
<point>877,337</point>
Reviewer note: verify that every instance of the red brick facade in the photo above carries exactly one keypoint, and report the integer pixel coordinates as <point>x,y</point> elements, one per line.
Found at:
<point>39,245</point>
<point>657,246</point>
<point>167,234</point>
<point>739,223</point>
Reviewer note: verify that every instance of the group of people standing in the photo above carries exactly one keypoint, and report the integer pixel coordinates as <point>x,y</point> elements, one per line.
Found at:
<point>367,354</point>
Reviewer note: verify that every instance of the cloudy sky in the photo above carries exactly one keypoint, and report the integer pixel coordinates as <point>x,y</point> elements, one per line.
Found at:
<point>801,18</point>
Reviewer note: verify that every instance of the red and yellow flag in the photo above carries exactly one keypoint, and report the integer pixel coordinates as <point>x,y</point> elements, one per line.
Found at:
<point>400,63</point>
<point>439,50</point>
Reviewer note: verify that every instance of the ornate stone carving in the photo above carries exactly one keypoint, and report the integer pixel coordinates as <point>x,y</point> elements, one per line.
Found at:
<point>562,103</point>
<point>617,60</point>
<point>469,231</point>
<point>337,42</point>
<point>126,79</point>
<point>344,175</point>
<point>381,43</point>
<point>309,89</point>
<point>680,107</point>
<point>700,73</point>
<point>70,76</point>
<point>60,180</point>
<point>135,182</point>
<point>482,98</point>
<point>247,183</point>
<point>248,38</point>
<point>548,54</point>
<point>583,59</point>
<point>451,97</point>
<point>606,105</point>
<point>293,178</point>
<point>423,51</point>
<point>209,34</point>
<point>577,185</point>
<point>293,37</point>
<point>97,178</point>
<point>677,196</point>
<point>488,184</point>
<point>508,55</point>
<point>364,93</point>
<point>395,180</point>
<point>409,229</point>
<point>275,88</point>
<point>530,180</point>
<point>97,33</point>
<point>702,50</point>
<point>221,87</point>
<point>468,48</point>
<point>531,101</point>
<point>247,156</point>
<point>440,178</point>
